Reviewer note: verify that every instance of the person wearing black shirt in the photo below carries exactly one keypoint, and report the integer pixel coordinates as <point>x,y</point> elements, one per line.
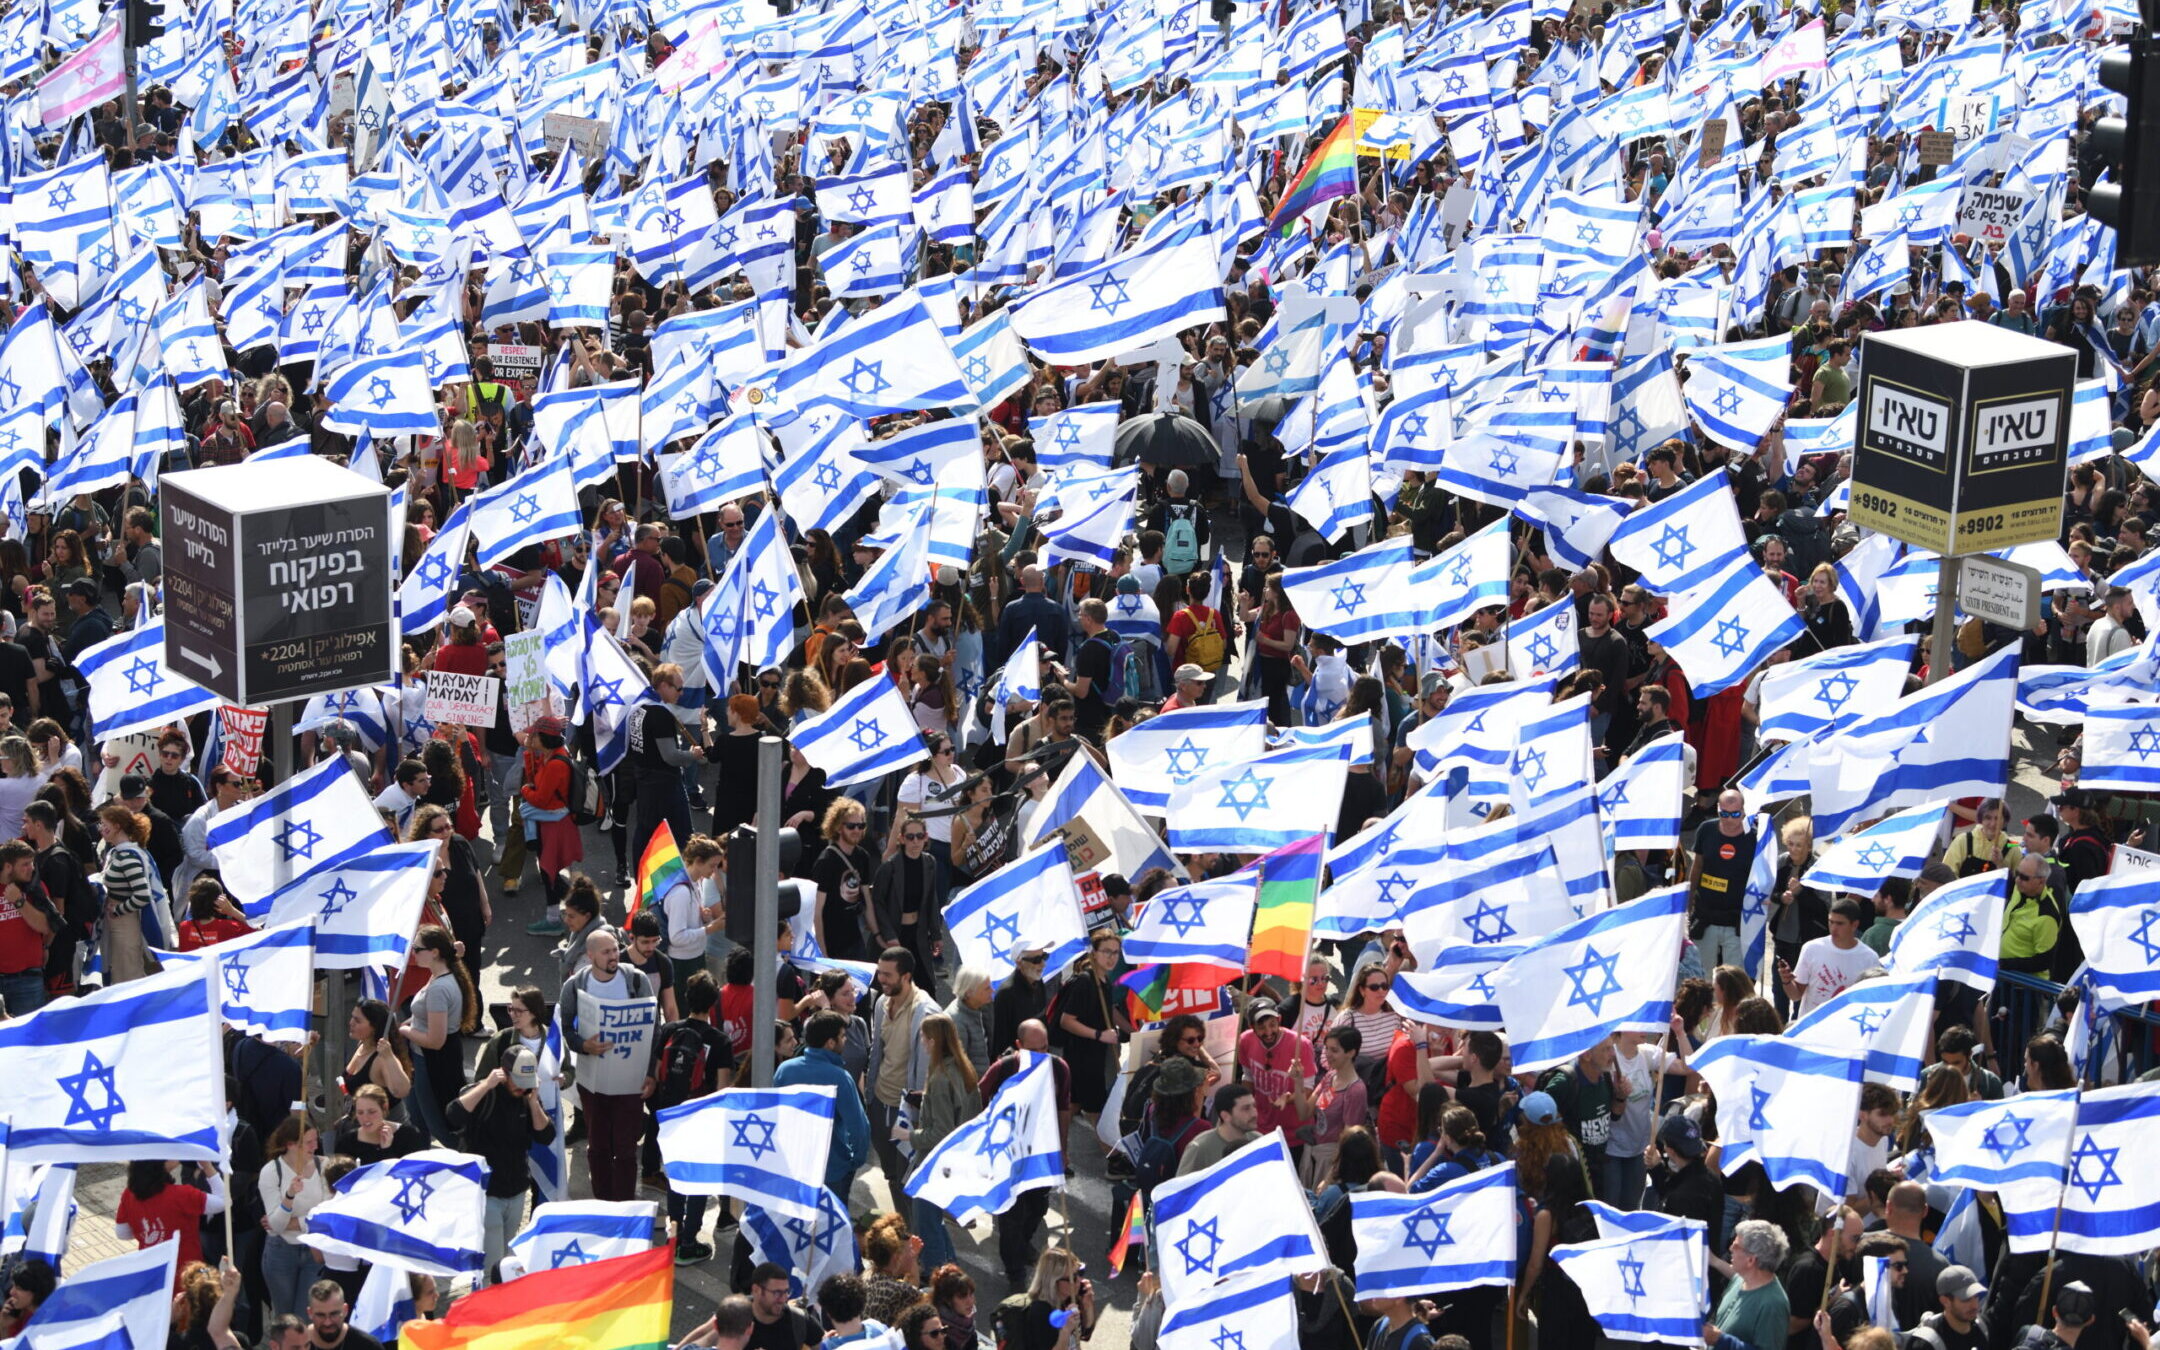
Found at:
<point>842,875</point>
<point>173,789</point>
<point>17,675</point>
<point>1605,651</point>
<point>500,1118</point>
<point>700,1004</point>
<point>775,1323</point>
<point>1724,854</point>
<point>166,850</point>
<point>1092,694</point>
<point>657,758</point>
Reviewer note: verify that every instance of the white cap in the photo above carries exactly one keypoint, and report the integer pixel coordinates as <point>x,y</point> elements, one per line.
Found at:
<point>462,617</point>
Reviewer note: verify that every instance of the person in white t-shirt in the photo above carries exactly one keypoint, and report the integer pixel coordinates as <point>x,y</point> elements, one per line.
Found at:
<point>1828,966</point>
<point>1874,1137</point>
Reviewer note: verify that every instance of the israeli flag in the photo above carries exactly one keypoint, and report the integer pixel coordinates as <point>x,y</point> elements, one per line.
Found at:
<point>1453,988</point>
<point>1150,761</point>
<point>1545,642</point>
<point>1785,1105</point>
<point>129,1072</point>
<point>131,687</point>
<point>915,456</point>
<point>578,1232</point>
<point>1834,688</point>
<point>1685,540</point>
<point>2117,921</point>
<point>1612,971</point>
<point>1364,595</point>
<point>2111,1204</point>
<point>363,910</point>
<point>1960,1241</point>
<point>1413,430</point>
<point>1160,287</point>
<point>1255,1312</point>
<point>1207,923</point>
<point>1259,805</point>
<point>1246,1215</point>
<point>2121,747</point>
<point>724,464</point>
<point>537,505</point>
<point>319,817</point>
<point>867,733</point>
<point>1491,885</point>
<point>385,1303</point>
<point>1376,869</point>
<point>426,593</point>
<point>1643,1286</point>
<point>578,281</point>
<point>1471,576</point>
<point>1577,525</point>
<point>1722,630</point>
<point>1336,493</point>
<point>1458,1236</point>
<point>40,1212</point>
<point>387,395</point>
<point>1476,732</point>
<point>423,1212</point>
<point>893,359</point>
<point>1956,932</point>
<point>1030,904</point>
<point>875,262</point>
<point>1096,513</point>
<point>615,686</point>
<point>130,1294</point>
<point>1737,391</point>
<point>750,615</point>
<point>266,980</point>
<point>991,359</point>
<point>1640,802</point>
<point>811,1253</point>
<point>1553,754</point>
<point>2019,1147</point>
<point>1898,846</point>
<point>754,1144</point>
<point>1015,1144</point>
<point>1949,740</point>
<point>1888,1021</point>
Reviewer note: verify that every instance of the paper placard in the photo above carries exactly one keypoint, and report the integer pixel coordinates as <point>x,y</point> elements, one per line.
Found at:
<point>242,729</point>
<point>465,700</point>
<point>526,684</point>
<point>626,1027</point>
<point>137,753</point>
<point>589,134</point>
<point>2129,859</point>
<point>1713,142</point>
<point>1989,214</point>
<point>1937,148</point>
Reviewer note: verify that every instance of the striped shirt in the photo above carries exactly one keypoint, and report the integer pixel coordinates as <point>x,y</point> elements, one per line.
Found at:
<point>127,878</point>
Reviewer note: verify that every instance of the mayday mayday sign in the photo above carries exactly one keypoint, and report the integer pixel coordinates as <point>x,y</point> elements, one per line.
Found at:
<point>277,579</point>
<point>1963,441</point>
<point>462,700</point>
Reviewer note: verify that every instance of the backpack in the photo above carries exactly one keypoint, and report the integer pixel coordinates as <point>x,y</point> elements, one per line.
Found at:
<point>1181,545</point>
<point>584,796</point>
<point>1124,681</point>
<point>1157,1161</point>
<point>680,1066</point>
<point>1206,647</point>
<point>1807,540</point>
<point>1006,1317</point>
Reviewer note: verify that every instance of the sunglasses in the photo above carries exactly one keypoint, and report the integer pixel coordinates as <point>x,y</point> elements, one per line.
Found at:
<point>168,754</point>
<point>912,838</point>
<point>1375,988</point>
<point>853,825</point>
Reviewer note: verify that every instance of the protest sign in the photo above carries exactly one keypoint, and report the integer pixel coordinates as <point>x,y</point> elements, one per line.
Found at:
<point>243,734</point>
<point>625,1027</point>
<point>1989,214</point>
<point>525,681</point>
<point>467,700</point>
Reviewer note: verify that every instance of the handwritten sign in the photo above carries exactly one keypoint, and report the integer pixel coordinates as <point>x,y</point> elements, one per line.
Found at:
<point>1989,214</point>
<point>525,682</point>
<point>625,1027</point>
<point>242,729</point>
<point>466,700</point>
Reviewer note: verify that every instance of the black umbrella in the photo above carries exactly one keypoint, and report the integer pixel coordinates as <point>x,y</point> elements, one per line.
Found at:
<point>1167,440</point>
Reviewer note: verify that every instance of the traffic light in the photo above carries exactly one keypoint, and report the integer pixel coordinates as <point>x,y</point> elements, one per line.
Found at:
<point>742,877</point>
<point>145,22</point>
<point>2130,146</point>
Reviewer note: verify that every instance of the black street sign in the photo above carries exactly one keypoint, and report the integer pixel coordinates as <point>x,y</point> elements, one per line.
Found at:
<point>202,627</point>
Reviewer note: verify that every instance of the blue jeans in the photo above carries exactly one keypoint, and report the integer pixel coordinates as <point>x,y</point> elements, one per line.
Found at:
<point>1623,1180</point>
<point>937,1243</point>
<point>288,1270</point>
<point>688,1213</point>
<point>23,994</point>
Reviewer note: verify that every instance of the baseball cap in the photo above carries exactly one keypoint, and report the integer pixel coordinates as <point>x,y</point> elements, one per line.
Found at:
<point>702,589</point>
<point>1681,1135</point>
<point>1178,1077</point>
<point>521,1068</point>
<point>1128,584</point>
<point>1188,671</point>
<point>84,587</point>
<point>1263,1007</point>
<point>1959,1282</point>
<point>552,726</point>
<point>461,617</point>
<point>133,785</point>
<point>1540,1109</point>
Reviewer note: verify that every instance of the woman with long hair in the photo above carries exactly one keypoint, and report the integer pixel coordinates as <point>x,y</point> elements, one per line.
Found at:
<point>379,1058</point>
<point>842,874</point>
<point>982,835</point>
<point>1940,1086</point>
<point>291,1184</point>
<point>546,810</point>
<point>131,886</point>
<point>1729,988</point>
<point>926,797</point>
<point>1563,1318</point>
<point>949,1100</point>
<point>805,801</point>
<point>19,783</point>
<point>1332,1103</point>
<point>464,892</point>
<point>54,750</point>
<point>1364,1006</point>
<point>1059,1286</point>
<point>1091,1014</point>
<point>446,1009</point>
<point>154,1207</point>
<point>65,560</point>
<point>735,754</point>
<point>369,1134</point>
<point>449,785</point>
<point>1276,631</point>
<point>894,1256</point>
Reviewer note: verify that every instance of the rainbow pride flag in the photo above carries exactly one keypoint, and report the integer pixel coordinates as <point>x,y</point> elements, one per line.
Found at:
<point>1330,172</point>
<point>1282,920</point>
<point>658,872</point>
<point>1131,1233</point>
<point>617,1304</point>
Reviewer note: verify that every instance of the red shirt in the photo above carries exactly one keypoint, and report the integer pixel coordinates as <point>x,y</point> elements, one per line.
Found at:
<point>736,1001</point>
<point>22,948</point>
<point>196,935</point>
<point>1398,1105</point>
<point>176,1211</point>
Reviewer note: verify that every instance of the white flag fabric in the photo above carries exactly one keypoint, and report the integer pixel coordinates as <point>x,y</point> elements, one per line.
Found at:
<point>1545,642</point>
<point>2117,921</point>
<point>1785,1105</point>
<point>1613,971</point>
<point>2121,750</point>
<point>2111,1206</point>
<point>1246,1215</point>
<point>320,816</point>
<point>130,1072</point>
<point>1151,760</point>
<point>1888,1021</point>
<point>1015,1144</point>
<point>1722,630</point>
<point>578,1232</point>
<point>1490,885</point>
<point>265,982</point>
<point>1030,904</point>
<point>1642,1286</point>
<point>1949,740</point>
<point>764,1145</point>
<point>1456,1236</point>
<point>1363,595</point>
<point>131,687</point>
<point>1207,923</point>
<point>424,1212</point>
<point>1158,288</point>
<point>1260,805</point>
<point>1252,1312</point>
<point>136,1288</point>
<point>1641,802</point>
<point>1897,846</point>
<point>1684,540</point>
<point>364,910</point>
<point>2019,1146</point>
<point>1800,698</point>
<point>867,733</point>
<point>1956,932</point>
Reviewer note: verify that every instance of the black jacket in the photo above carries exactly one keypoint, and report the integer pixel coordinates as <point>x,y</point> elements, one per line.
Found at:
<point>500,1130</point>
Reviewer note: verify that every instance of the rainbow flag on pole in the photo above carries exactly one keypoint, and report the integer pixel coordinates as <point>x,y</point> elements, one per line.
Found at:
<point>1282,920</point>
<point>1330,172</point>
<point>1131,1233</point>
<point>658,872</point>
<point>617,1304</point>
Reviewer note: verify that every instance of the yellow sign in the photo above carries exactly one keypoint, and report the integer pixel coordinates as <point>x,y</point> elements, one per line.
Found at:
<point>1362,120</point>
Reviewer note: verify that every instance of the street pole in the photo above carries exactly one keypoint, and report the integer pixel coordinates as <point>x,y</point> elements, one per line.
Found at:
<point>127,106</point>
<point>765,927</point>
<point>1943,641</point>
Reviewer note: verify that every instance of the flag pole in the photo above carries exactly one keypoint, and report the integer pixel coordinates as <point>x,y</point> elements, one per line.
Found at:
<point>2062,1193</point>
<point>1509,1310</point>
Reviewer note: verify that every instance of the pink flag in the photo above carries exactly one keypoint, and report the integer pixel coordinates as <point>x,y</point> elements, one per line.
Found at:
<point>1796,53</point>
<point>86,79</point>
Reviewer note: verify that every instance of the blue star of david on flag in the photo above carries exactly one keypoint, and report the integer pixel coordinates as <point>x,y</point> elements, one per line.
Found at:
<point>1730,638</point>
<point>865,378</point>
<point>1489,913</point>
<point>298,839</point>
<point>1530,767</point>
<point>81,1111</point>
<point>1185,758</point>
<point>1613,798</point>
<point>1583,994</point>
<point>524,508</point>
<point>335,898</point>
<point>2142,935</point>
<point>1543,650</point>
<point>2102,1159</point>
<point>1876,855</point>
<point>1504,460</point>
<point>142,675</point>
<point>1428,1233</point>
<point>1955,928</point>
<point>607,693</point>
<point>2007,1136</point>
<point>1199,1246</point>
<point>1631,1277</point>
<point>236,977</point>
<point>1672,547</point>
<point>1184,911</point>
<point>1348,595</point>
<point>995,925</point>
<point>755,1134</point>
<point>1834,690</point>
<point>379,391</point>
<point>1390,884</point>
<point>1245,794</point>
<point>826,477</point>
<point>1758,1100</point>
<point>569,1254</point>
<point>999,1135</point>
<point>2145,743</point>
<point>412,1197</point>
<point>1108,294</point>
<point>1869,1020</point>
<point>866,734</point>
<point>764,599</point>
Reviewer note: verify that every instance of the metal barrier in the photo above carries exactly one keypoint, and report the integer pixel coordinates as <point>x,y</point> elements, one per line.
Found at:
<point>2023,1005</point>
